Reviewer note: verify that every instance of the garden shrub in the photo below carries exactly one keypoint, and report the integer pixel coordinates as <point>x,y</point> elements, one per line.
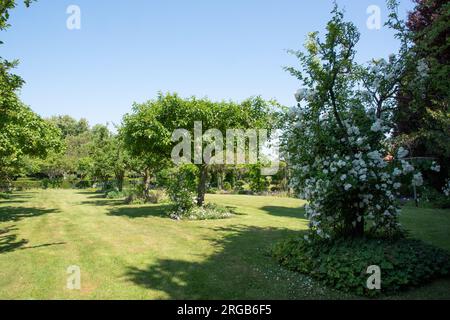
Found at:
<point>55,183</point>
<point>157,196</point>
<point>342,264</point>
<point>437,199</point>
<point>83,184</point>
<point>5,195</point>
<point>227,186</point>
<point>181,189</point>
<point>213,191</point>
<point>208,211</point>
<point>26,184</point>
<point>239,185</point>
<point>115,194</point>
<point>246,192</point>
<point>66,184</point>
<point>133,198</point>
<point>337,137</point>
<point>183,201</point>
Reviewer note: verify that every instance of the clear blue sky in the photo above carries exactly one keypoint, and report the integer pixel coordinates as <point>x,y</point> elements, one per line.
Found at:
<point>127,51</point>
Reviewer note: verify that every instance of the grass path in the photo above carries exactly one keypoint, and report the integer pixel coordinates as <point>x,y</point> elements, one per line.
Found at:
<point>136,252</point>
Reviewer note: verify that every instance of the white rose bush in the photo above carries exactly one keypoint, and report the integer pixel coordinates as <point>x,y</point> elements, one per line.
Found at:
<point>337,142</point>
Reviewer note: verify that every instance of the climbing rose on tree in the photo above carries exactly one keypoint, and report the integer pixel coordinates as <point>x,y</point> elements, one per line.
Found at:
<point>336,138</point>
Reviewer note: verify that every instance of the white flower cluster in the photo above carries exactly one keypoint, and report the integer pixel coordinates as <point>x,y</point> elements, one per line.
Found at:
<point>304,94</point>
<point>435,167</point>
<point>402,153</point>
<point>377,126</point>
<point>422,69</point>
<point>446,189</point>
<point>362,186</point>
<point>417,179</point>
<point>383,71</point>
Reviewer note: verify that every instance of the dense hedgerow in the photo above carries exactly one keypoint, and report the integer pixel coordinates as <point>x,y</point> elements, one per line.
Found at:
<point>343,264</point>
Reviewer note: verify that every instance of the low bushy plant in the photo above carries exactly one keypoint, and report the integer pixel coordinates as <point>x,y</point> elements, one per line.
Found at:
<point>26,184</point>
<point>133,198</point>
<point>240,184</point>
<point>435,198</point>
<point>227,186</point>
<point>157,196</point>
<point>116,194</point>
<point>5,195</point>
<point>209,211</point>
<point>213,191</point>
<point>83,184</point>
<point>342,264</point>
<point>55,183</point>
<point>181,189</point>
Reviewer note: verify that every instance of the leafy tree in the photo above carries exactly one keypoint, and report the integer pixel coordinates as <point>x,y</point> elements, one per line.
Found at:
<point>148,130</point>
<point>258,182</point>
<point>69,126</point>
<point>422,116</point>
<point>100,148</point>
<point>337,137</point>
<point>147,140</point>
<point>22,132</point>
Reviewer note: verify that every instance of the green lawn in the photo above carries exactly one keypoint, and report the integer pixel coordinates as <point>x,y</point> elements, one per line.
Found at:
<point>136,252</point>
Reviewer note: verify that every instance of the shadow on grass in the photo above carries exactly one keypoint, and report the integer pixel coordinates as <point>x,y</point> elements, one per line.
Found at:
<point>99,199</point>
<point>285,211</point>
<point>14,198</point>
<point>141,212</point>
<point>104,202</point>
<point>233,272</point>
<point>97,196</point>
<point>9,241</point>
<point>19,213</point>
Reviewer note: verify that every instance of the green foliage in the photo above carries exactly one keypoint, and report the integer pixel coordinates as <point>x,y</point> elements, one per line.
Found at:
<point>135,196</point>
<point>26,184</point>
<point>5,195</point>
<point>23,133</point>
<point>258,182</point>
<point>69,126</point>
<point>83,184</point>
<point>423,114</point>
<point>337,138</point>
<point>5,6</point>
<point>55,183</point>
<point>437,199</point>
<point>114,194</point>
<point>239,185</point>
<point>213,190</point>
<point>227,186</point>
<point>157,196</point>
<point>209,211</point>
<point>343,264</point>
<point>181,189</point>
<point>147,131</point>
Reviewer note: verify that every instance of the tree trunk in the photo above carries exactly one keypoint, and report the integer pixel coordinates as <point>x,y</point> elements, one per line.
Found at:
<point>120,176</point>
<point>219,180</point>
<point>359,229</point>
<point>147,180</point>
<point>201,190</point>
<point>352,230</point>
